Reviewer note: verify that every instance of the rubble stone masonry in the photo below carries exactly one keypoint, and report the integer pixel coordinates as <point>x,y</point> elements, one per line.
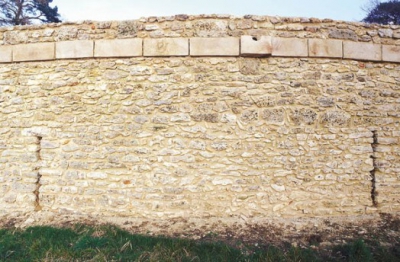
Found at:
<point>201,116</point>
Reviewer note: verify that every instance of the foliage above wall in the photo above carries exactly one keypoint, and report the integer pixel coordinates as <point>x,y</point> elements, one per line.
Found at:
<point>25,12</point>
<point>387,13</point>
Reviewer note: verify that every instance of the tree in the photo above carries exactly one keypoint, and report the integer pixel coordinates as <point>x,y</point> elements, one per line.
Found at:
<point>386,13</point>
<point>25,12</point>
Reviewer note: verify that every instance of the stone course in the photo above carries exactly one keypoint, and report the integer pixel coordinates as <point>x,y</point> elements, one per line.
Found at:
<point>362,51</point>
<point>289,47</point>
<point>255,46</point>
<point>224,46</point>
<point>5,54</point>
<point>325,48</point>
<point>391,53</point>
<point>227,46</point>
<point>166,47</point>
<point>74,49</point>
<point>119,48</point>
<point>33,52</point>
<point>178,117</point>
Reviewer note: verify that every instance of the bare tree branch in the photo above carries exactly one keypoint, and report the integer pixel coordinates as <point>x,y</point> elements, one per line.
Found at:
<point>22,12</point>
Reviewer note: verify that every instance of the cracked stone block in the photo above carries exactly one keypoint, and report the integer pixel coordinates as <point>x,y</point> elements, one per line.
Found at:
<point>227,46</point>
<point>391,53</point>
<point>325,48</point>
<point>5,54</point>
<point>362,51</point>
<point>74,49</point>
<point>118,48</point>
<point>293,47</point>
<point>255,46</point>
<point>166,47</point>
<point>33,52</point>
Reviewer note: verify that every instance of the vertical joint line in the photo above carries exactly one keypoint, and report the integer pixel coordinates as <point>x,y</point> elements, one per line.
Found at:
<point>38,176</point>
<point>374,145</point>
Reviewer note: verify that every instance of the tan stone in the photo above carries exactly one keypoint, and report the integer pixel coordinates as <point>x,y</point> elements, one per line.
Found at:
<point>391,53</point>
<point>74,49</point>
<point>227,46</point>
<point>255,46</point>
<point>293,47</point>
<point>325,48</point>
<point>33,52</point>
<point>180,137</point>
<point>166,47</point>
<point>362,51</point>
<point>118,48</point>
<point>5,54</point>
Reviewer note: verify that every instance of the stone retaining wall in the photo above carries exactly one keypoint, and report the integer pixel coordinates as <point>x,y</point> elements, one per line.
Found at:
<point>179,117</point>
<point>250,46</point>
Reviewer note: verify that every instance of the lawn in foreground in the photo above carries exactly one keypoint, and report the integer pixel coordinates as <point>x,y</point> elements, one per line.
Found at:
<point>110,243</point>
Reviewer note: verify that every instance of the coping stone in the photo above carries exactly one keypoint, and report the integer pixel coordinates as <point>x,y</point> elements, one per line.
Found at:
<point>255,46</point>
<point>166,47</point>
<point>226,46</point>
<point>391,53</point>
<point>5,54</point>
<point>325,48</point>
<point>118,48</point>
<point>33,52</point>
<point>292,47</point>
<point>74,49</point>
<point>362,51</point>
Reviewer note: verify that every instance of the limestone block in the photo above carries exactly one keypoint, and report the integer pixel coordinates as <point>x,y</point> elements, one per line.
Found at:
<point>325,48</point>
<point>5,53</point>
<point>289,47</point>
<point>74,49</point>
<point>166,47</point>
<point>391,53</point>
<point>33,52</point>
<point>227,46</point>
<point>255,46</point>
<point>362,51</point>
<point>118,48</point>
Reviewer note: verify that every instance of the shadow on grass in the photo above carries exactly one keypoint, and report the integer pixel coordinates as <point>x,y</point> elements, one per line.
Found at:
<point>110,243</point>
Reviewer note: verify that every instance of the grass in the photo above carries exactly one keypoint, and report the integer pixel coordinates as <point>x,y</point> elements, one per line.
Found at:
<point>110,243</point>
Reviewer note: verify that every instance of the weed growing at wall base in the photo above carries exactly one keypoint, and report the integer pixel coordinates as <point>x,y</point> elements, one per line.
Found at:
<point>109,243</point>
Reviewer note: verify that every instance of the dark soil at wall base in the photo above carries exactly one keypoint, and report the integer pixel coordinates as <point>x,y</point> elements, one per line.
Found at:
<point>314,232</point>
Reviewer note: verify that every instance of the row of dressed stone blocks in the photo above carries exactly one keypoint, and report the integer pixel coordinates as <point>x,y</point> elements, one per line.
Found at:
<point>228,46</point>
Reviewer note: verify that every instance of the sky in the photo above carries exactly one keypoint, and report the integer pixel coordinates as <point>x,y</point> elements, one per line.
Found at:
<point>104,10</point>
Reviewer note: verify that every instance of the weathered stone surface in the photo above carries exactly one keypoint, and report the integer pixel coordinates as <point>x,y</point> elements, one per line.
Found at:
<point>5,54</point>
<point>343,34</point>
<point>118,48</point>
<point>289,47</point>
<point>33,52</point>
<point>166,47</point>
<point>362,51</point>
<point>303,116</point>
<point>227,46</point>
<point>385,33</point>
<point>249,66</point>
<point>163,137</point>
<point>325,48</point>
<point>391,53</point>
<point>255,46</point>
<point>74,49</point>
<point>276,116</point>
<point>336,118</point>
